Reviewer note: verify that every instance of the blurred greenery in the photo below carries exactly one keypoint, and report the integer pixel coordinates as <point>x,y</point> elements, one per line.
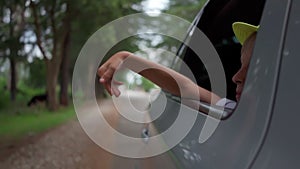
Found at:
<point>39,35</point>
<point>4,99</point>
<point>41,41</point>
<point>37,73</point>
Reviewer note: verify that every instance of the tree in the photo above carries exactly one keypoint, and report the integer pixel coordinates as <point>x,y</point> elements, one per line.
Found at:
<point>48,21</point>
<point>12,25</point>
<point>65,54</point>
<point>54,26</point>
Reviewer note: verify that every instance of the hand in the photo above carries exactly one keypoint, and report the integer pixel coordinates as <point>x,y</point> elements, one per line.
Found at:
<point>112,87</point>
<point>107,71</point>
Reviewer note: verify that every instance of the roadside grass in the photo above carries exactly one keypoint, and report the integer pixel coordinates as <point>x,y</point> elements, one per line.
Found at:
<point>21,122</point>
<point>18,121</point>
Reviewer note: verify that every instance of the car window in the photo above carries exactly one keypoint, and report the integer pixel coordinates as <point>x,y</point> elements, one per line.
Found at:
<point>215,21</point>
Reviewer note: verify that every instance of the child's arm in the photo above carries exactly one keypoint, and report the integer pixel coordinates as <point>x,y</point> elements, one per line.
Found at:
<point>162,76</point>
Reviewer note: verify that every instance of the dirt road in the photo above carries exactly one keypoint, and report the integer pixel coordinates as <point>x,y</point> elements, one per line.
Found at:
<point>68,147</point>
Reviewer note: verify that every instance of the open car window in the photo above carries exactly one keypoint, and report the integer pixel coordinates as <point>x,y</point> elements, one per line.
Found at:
<point>215,21</point>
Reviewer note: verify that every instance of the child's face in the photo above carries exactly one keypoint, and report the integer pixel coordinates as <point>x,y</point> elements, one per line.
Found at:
<point>240,77</point>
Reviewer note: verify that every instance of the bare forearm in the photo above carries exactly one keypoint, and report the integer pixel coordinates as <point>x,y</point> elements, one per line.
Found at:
<point>162,76</point>
<point>170,80</point>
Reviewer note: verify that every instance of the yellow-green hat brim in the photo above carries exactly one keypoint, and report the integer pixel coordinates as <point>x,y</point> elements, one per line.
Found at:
<point>243,30</point>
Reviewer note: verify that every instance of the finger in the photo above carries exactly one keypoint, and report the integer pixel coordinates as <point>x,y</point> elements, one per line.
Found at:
<point>102,80</point>
<point>115,87</point>
<point>108,75</point>
<point>115,82</point>
<point>101,70</point>
<point>107,86</point>
<point>115,90</point>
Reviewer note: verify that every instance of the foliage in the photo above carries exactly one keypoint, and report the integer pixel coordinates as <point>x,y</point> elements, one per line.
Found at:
<point>37,73</point>
<point>12,27</point>
<point>186,9</point>
<point>85,17</point>
<point>147,85</point>
<point>25,92</point>
<point>92,15</point>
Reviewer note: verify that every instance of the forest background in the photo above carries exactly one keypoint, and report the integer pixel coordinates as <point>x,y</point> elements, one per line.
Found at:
<point>40,42</point>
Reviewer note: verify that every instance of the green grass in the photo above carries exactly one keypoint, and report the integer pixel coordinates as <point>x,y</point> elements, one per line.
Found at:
<point>18,121</point>
<point>16,125</point>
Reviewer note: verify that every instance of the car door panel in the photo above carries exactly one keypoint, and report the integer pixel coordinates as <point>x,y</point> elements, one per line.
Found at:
<point>237,140</point>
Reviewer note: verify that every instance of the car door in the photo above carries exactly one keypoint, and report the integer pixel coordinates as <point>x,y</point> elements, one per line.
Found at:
<point>280,148</point>
<point>243,140</point>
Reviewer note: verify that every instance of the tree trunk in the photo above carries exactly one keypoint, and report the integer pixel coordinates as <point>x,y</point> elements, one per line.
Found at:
<point>13,79</point>
<point>53,63</point>
<point>64,69</point>
<point>64,81</point>
<point>12,60</point>
<point>52,76</point>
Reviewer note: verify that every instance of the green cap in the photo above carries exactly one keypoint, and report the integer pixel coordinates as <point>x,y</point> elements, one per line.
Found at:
<point>243,30</point>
